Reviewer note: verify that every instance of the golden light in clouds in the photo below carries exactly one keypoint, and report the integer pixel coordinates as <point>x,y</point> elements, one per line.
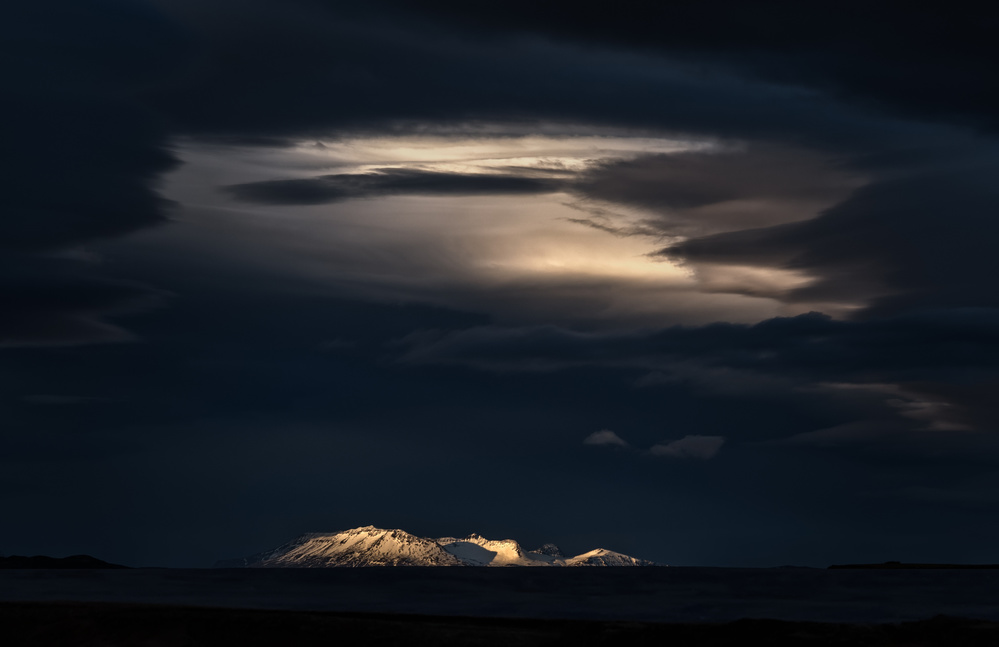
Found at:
<point>517,257</point>
<point>488,153</point>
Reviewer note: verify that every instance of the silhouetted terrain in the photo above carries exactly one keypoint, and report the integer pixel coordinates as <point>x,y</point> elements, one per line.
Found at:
<point>43,561</point>
<point>59,624</point>
<point>673,595</point>
<point>904,565</point>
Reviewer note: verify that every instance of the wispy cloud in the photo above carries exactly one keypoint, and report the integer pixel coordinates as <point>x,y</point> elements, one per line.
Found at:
<point>702,447</point>
<point>604,437</point>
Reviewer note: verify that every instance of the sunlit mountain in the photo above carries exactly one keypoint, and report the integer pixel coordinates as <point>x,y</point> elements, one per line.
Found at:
<point>370,546</point>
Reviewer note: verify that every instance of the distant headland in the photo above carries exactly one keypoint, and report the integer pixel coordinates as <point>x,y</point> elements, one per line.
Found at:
<point>43,561</point>
<point>908,565</point>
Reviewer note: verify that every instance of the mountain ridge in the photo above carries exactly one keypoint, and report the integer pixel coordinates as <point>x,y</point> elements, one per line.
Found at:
<point>371,546</point>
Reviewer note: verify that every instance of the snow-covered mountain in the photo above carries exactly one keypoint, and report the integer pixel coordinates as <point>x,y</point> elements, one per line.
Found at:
<point>604,557</point>
<point>367,546</point>
<point>370,546</point>
<point>476,550</point>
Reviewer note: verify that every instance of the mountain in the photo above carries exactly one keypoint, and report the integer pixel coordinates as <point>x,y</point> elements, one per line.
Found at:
<point>604,557</point>
<point>476,550</point>
<point>367,546</point>
<point>370,546</point>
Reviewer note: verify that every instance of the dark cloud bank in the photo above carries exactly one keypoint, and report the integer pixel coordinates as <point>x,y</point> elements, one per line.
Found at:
<point>334,188</point>
<point>857,148</point>
<point>82,156</point>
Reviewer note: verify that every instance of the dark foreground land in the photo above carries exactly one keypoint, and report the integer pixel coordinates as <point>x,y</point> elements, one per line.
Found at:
<point>111,625</point>
<point>647,595</point>
<point>520,606</point>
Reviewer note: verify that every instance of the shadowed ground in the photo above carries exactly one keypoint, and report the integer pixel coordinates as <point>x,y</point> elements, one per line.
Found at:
<point>661,595</point>
<point>109,625</point>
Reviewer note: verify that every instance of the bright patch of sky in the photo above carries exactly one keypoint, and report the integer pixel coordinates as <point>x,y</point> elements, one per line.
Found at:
<point>522,259</point>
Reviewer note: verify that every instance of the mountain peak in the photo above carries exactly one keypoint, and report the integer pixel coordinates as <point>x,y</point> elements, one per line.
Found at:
<point>604,557</point>
<point>372,546</point>
<point>549,549</point>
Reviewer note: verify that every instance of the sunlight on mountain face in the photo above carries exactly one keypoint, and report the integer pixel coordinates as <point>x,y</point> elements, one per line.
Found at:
<point>549,254</point>
<point>379,547</point>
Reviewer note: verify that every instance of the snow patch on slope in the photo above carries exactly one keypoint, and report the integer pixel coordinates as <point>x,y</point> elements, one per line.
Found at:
<point>366,546</point>
<point>476,550</point>
<point>604,557</point>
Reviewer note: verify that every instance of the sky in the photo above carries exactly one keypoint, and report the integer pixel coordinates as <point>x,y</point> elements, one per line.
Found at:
<point>708,283</point>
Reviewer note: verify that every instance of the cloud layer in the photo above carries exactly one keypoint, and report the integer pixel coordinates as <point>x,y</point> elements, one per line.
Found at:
<point>701,447</point>
<point>83,159</point>
<point>427,246</point>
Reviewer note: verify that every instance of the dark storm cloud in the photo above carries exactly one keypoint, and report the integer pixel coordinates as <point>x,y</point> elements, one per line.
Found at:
<point>945,358</point>
<point>53,300</point>
<point>57,307</point>
<point>388,181</point>
<point>329,68</point>
<point>813,345</point>
<point>81,153</point>
<point>80,168</point>
<point>695,193</point>
<point>924,62</point>
<point>696,179</point>
<point>81,156</point>
<point>260,71</point>
<point>921,239</point>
